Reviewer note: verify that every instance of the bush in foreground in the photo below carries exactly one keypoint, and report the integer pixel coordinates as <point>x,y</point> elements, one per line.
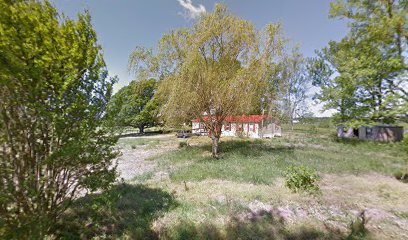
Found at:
<point>54,138</point>
<point>300,178</point>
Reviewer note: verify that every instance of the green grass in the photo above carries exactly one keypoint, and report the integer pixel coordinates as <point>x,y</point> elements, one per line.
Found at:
<point>203,198</point>
<point>132,143</point>
<point>261,161</point>
<point>143,177</point>
<point>125,212</point>
<point>403,215</point>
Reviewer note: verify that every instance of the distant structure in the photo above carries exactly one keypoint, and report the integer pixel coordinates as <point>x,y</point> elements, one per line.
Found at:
<point>381,132</point>
<point>253,126</point>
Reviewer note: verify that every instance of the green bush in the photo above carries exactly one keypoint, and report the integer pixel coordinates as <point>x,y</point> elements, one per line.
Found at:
<point>183,144</point>
<point>301,178</point>
<point>57,139</point>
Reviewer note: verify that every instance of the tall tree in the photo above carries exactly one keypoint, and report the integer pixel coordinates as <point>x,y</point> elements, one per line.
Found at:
<point>135,105</point>
<point>54,136</point>
<point>367,69</point>
<point>296,86</point>
<point>212,70</point>
<point>329,71</point>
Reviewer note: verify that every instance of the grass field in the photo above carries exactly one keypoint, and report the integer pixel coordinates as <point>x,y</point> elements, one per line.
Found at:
<point>242,195</point>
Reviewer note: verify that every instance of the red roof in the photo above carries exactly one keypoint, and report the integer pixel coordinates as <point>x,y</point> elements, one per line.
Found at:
<point>241,119</point>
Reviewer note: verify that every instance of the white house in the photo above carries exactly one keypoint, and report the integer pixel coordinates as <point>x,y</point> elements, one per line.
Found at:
<point>253,126</point>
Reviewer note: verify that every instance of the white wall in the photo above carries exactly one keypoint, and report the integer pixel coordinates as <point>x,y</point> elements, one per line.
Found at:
<point>195,127</point>
<point>233,131</point>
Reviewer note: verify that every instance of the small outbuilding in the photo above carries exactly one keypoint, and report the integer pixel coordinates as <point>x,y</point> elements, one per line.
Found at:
<point>381,132</point>
<point>252,126</point>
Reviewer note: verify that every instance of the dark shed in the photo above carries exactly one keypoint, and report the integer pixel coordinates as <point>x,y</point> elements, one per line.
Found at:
<point>381,132</point>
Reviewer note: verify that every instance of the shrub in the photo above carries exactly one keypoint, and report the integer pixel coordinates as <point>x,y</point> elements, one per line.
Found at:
<point>301,178</point>
<point>55,136</point>
<point>358,229</point>
<point>183,144</point>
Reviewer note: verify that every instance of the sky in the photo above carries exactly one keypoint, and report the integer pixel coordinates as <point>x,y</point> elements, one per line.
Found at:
<point>121,25</point>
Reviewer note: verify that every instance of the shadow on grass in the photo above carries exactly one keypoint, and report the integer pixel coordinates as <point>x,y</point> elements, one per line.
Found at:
<point>126,211</point>
<point>348,141</point>
<point>262,225</point>
<point>248,148</point>
<point>145,134</point>
<point>354,141</point>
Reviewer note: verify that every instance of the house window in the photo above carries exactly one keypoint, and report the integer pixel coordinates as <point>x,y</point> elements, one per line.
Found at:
<point>227,126</point>
<point>254,128</point>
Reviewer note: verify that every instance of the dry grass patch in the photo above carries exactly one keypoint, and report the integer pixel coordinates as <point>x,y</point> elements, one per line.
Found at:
<point>242,195</point>
<point>218,204</point>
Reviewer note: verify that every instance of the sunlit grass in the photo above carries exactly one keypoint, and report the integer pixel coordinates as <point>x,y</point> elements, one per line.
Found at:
<point>261,161</point>
<point>189,195</point>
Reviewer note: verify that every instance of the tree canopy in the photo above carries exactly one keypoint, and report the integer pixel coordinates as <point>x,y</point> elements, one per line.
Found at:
<point>296,84</point>
<point>364,75</point>
<point>54,136</point>
<point>216,68</point>
<point>135,105</point>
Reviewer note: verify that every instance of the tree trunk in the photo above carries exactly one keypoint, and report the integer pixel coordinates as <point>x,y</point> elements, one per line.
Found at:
<point>215,141</point>
<point>291,124</point>
<point>141,129</point>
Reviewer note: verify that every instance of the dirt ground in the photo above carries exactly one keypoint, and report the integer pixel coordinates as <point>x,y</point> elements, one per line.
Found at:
<point>133,162</point>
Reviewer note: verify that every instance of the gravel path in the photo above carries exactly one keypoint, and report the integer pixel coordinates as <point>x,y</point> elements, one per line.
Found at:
<point>133,162</point>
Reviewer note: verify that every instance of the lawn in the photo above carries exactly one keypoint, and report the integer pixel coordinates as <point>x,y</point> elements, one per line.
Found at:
<point>262,161</point>
<point>242,195</point>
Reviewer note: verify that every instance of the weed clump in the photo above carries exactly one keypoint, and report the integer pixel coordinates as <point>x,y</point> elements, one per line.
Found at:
<point>183,144</point>
<point>301,178</point>
<point>358,228</point>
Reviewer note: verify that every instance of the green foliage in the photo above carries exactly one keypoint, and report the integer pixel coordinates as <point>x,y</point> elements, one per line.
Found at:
<point>401,175</point>
<point>296,84</point>
<point>301,178</point>
<point>55,137</point>
<point>364,75</point>
<point>218,67</point>
<point>135,105</point>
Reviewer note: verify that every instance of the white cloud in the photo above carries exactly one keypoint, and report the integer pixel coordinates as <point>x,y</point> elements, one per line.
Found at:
<point>191,11</point>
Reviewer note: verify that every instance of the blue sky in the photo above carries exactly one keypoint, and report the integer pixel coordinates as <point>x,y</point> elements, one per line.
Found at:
<point>121,25</point>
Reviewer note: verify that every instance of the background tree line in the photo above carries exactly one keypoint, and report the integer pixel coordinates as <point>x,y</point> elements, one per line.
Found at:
<point>364,75</point>
<point>223,66</point>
